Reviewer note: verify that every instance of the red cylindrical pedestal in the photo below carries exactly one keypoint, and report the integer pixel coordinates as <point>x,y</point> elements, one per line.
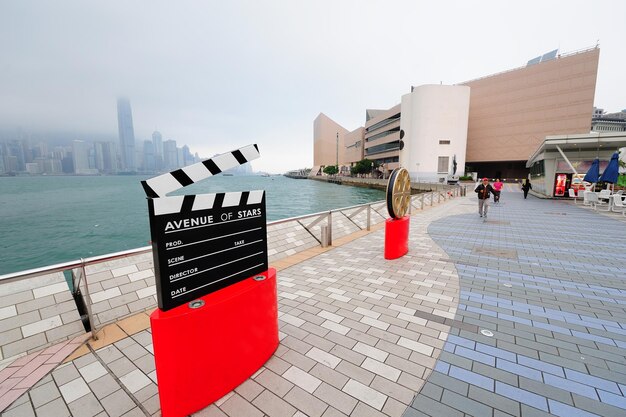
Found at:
<point>396,237</point>
<point>203,353</point>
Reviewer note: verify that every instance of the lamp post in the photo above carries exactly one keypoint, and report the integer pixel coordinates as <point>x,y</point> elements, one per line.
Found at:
<point>337,160</point>
<point>372,171</point>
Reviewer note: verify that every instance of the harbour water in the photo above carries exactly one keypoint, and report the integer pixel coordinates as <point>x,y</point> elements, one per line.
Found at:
<point>47,220</point>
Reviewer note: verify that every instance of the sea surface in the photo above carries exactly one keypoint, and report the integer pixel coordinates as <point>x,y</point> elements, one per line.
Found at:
<point>45,220</point>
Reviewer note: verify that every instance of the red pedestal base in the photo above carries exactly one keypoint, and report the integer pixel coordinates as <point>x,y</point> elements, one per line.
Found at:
<point>396,237</point>
<point>203,353</point>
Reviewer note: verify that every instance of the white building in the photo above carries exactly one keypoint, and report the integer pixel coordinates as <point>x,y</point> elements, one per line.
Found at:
<point>433,130</point>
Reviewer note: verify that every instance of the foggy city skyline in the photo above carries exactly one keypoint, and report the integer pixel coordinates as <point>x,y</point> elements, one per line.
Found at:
<point>216,77</point>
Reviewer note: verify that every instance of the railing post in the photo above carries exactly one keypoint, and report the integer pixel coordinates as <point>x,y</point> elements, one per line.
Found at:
<point>92,323</point>
<point>422,201</point>
<point>432,198</point>
<point>330,228</point>
<point>369,216</point>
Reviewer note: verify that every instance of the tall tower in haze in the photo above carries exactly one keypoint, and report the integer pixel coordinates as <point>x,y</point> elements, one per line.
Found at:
<point>127,134</point>
<point>157,139</point>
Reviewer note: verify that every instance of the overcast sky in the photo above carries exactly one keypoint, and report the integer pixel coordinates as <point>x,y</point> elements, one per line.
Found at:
<point>217,75</point>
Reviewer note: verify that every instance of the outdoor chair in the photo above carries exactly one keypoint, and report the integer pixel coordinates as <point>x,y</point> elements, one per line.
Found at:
<point>599,204</point>
<point>604,194</point>
<point>618,204</point>
<point>586,198</point>
<point>594,201</point>
<point>573,195</point>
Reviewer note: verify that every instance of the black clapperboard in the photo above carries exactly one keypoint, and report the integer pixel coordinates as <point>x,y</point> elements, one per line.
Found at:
<point>203,243</point>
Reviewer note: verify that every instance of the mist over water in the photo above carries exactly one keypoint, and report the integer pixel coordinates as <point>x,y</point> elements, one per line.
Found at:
<point>46,220</point>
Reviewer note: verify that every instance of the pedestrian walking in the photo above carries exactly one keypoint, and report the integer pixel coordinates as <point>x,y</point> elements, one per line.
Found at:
<point>497,189</point>
<point>525,187</point>
<point>484,191</point>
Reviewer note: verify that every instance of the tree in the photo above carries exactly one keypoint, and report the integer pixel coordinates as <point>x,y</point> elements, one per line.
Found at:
<point>331,170</point>
<point>364,166</point>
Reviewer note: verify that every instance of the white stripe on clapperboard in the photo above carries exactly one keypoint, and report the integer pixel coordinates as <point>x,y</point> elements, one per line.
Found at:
<point>214,238</point>
<point>173,204</point>
<point>215,253</point>
<point>217,266</point>
<point>213,224</point>
<point>166,183</point>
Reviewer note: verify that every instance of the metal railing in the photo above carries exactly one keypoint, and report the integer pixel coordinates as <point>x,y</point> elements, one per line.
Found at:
<point>78,267</point>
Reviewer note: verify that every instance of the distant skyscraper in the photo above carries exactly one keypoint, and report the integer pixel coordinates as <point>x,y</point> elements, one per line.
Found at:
<point>170,154</point>
<point>127,134</point>
<point>80,157</point>
<point>157,139</point>
<point>148,156</point>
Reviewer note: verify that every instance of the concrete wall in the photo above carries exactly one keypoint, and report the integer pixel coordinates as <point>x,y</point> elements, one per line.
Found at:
<point>511,113</point>
<point>354,146</point>
<point>325,132</point>
<point>430,114</point>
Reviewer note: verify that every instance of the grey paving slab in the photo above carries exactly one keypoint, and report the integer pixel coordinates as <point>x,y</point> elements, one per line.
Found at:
<point>365,336</point>
<point>556,311</point>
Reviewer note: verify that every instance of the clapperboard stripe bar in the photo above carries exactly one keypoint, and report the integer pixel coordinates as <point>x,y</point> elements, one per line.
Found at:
<point>176,204</point>
<point>175,180</point>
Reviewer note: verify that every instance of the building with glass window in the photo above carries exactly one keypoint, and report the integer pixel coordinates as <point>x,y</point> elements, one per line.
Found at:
<point>509,115</point>
<point>560,162</point>
<point>126,134</point>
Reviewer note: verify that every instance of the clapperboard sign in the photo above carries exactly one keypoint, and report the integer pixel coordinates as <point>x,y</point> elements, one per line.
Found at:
<point>203,243</point>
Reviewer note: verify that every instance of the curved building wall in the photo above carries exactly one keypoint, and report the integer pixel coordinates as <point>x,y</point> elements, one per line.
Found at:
<point>434,120</point>
<point>511,113</point>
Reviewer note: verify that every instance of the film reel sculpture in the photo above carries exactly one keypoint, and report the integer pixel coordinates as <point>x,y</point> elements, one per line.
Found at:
<point>398,193</point>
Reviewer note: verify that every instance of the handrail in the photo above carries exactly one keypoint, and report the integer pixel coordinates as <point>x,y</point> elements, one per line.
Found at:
<point>31,273</point>
<point>322,213</point>
<point>77,267</point>
<point>79,263</point>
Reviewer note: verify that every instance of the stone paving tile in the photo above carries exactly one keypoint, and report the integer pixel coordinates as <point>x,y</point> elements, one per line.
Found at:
<point>555,315</point>
<point>356,341</point>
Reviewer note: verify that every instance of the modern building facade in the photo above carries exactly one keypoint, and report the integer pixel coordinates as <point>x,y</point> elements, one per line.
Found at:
<point>512,112</point>
<point>560,162</point>
<point>382,137</point>
<point>126,134</point>
<point>354,149</point>
<point>170,155</point>
<point>157,139</point>
<point>608,122</point>
<point>433,127</point>
<point>328,142</point>
<point>509,115</point>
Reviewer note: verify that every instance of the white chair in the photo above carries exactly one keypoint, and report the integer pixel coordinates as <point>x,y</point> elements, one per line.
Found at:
<point>600,203</point>
<point>618,204</point>
<point>591,199</point>
<point>604,194</point>
<point>573,195</point>
<point>586,198</point>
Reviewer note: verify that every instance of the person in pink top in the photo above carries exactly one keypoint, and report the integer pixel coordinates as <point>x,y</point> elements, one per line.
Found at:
<point>497,187</point>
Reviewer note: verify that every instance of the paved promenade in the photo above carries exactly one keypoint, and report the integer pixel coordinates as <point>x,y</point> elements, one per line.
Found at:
<point>519,314</point>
